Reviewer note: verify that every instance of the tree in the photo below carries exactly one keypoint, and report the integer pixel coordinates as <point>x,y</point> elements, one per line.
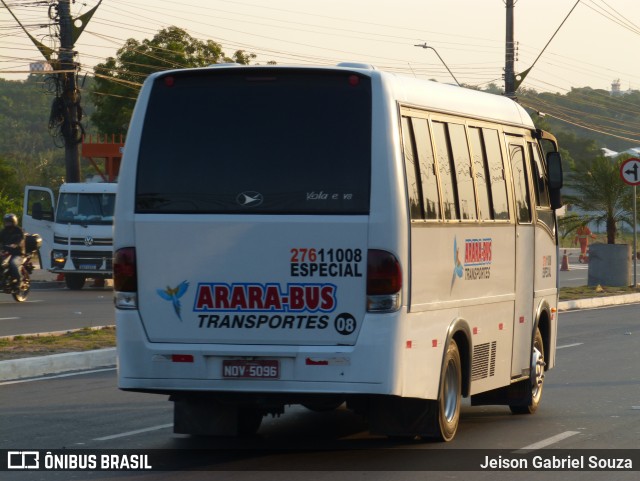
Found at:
<point>28,154</point>
<point>611,121</point>
<point>119,79</point>
<point>595,187</point>
<point>8,189</point>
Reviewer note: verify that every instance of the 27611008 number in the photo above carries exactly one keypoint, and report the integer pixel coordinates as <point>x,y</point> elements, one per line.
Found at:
<point>250,369</point>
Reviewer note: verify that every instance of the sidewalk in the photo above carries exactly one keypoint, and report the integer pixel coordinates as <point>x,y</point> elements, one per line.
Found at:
<point>15,369</point>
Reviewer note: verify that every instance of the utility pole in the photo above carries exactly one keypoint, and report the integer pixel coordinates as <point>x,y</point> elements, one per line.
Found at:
<point>71,130</point>
<point>511,80</point>
<point>509,56</point>
<point>66,113</point>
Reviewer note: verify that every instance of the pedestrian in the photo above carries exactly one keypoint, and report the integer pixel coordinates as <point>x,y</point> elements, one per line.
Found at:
<point>582,236</point>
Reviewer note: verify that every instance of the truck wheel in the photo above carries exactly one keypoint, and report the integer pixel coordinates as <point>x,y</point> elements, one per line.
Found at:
<point>75,282</point>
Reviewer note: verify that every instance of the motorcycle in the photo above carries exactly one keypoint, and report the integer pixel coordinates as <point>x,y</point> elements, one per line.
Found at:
<point>8,284</point>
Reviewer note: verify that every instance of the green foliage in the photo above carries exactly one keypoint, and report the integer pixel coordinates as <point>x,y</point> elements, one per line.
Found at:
<point>119,79</point>
<point>28,154</point>
<point>24,114</point>
<point>8,204</point>
<point>8,184</point>
<point>588,113</point>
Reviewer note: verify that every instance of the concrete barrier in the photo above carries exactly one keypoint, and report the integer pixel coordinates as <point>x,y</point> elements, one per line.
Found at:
<point>27,367</point>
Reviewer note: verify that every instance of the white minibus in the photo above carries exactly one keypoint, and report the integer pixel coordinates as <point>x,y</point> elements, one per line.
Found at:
<point>333,236</point>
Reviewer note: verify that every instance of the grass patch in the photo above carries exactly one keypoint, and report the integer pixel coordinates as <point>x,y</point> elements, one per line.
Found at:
<point>587,292</point>
<point>86,339</point>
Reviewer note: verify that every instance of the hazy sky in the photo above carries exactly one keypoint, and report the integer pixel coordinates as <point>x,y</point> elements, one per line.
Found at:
<point>597,44</point>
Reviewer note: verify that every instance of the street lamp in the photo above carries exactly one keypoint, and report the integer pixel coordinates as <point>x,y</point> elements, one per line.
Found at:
<point>424,45</point>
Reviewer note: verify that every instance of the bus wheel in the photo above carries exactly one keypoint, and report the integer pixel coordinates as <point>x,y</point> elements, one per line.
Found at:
<point>537,377</point>
<point>445,412</point>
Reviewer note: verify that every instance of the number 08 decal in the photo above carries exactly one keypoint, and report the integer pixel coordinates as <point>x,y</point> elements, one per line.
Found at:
<point>345,324</point>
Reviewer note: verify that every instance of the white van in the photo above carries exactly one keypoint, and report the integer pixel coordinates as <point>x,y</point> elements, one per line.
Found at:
<point>317,235</point>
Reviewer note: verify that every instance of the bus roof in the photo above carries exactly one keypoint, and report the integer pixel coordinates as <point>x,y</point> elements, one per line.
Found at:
<point>426,94</point>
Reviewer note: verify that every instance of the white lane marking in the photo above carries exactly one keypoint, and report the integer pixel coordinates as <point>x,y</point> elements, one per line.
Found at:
<point>46,378</point>
<point>570,345</point>
<point>131,433</point>
<point>8,318</point>
<point>549,441</point>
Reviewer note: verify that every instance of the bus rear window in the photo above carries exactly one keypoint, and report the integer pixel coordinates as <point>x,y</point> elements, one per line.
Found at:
<point>260,142</point>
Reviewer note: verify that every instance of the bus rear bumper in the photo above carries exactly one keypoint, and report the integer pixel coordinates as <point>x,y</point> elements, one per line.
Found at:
<point>169,368</point>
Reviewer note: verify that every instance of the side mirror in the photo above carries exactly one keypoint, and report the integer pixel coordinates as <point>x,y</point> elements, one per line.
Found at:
<point>554,168</point>
<point>36,212</point>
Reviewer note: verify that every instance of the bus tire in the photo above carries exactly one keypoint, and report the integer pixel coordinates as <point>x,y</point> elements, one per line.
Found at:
<point>445,411</point>
<point>537,377</point>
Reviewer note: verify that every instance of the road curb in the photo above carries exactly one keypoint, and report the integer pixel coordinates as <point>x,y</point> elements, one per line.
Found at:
<point>14,369</point>
<point>598,302</point>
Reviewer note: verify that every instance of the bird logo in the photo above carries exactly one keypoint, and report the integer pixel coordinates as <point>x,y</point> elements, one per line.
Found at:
<point>174,294</point>
<point>458,268</point>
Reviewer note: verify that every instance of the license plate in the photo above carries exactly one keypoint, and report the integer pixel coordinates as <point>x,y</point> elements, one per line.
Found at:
<point>87,267</point>
<point>250,369</point>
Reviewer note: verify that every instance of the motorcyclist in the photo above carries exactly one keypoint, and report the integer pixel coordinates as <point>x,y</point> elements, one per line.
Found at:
<point>12,240</point>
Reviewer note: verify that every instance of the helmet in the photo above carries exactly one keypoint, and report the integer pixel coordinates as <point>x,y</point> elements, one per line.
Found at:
<point>10,219</point>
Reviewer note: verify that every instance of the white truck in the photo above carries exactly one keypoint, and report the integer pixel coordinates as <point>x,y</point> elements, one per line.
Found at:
<point>77,232</point>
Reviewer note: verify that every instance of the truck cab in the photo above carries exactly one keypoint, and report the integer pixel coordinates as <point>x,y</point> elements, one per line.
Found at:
<point>77,231</point>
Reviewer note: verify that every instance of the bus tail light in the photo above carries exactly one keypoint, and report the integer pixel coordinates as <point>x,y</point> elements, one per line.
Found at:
<point>384,281</point>
<point>125,278</point>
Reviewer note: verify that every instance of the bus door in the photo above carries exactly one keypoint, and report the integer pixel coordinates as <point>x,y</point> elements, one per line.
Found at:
<point>524,261</point>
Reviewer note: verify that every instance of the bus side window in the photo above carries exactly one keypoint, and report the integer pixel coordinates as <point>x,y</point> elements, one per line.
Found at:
<point>464,177</point>
<point>480,172</point>
<point>411,169</point>
<point>497,179</point>
<point>446,171</point>
<point>520,184</point>
<point>539,178</point>
<point>541,188</point>
<point>428,178</point>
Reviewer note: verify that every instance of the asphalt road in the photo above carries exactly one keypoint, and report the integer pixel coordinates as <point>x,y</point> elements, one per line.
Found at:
<point>591,401</point>
<point>57,309</point>
<point>578,273</point>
